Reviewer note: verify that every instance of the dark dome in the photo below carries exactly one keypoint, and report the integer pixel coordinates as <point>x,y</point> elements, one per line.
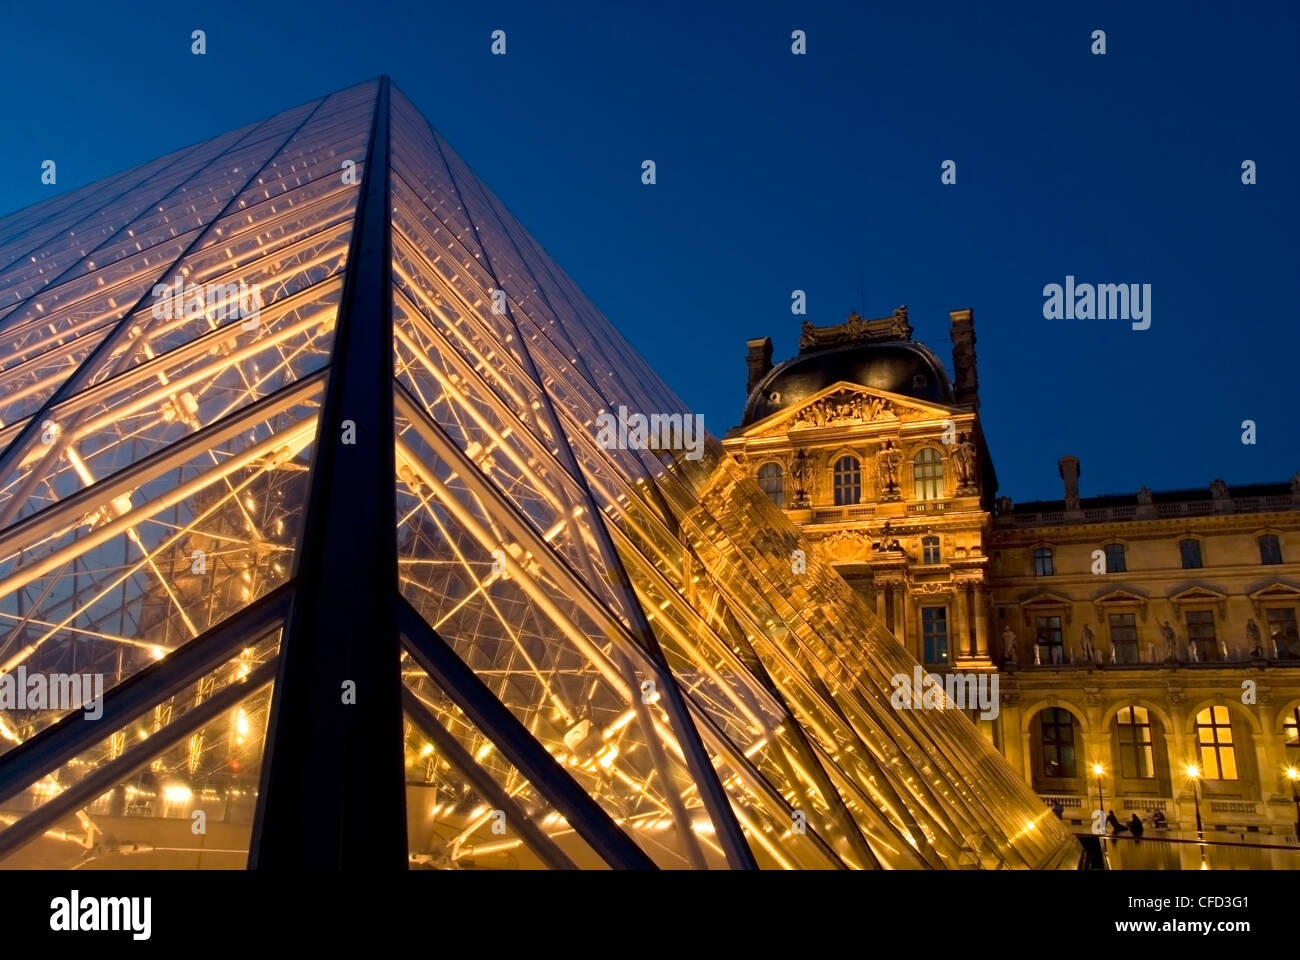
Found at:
<point>897,366</point>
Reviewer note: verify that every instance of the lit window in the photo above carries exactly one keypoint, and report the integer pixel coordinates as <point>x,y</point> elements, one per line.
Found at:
<point>1136,759</point>
<point>1214,738</point>
<point>848,481</point>
<point>928,474</point>
<point>771,480</point>
<point>1042,562</point>
<point>1270,550</point>
<point>1291,736</point>
<point>1282,630</point>
<point>930,550</point>
<point>1191,553</point>
<point>1058,742</point>
<point>934,631</point>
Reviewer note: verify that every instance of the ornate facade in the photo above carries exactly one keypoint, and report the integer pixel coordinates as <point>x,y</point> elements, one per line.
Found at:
<point>1137,634</point>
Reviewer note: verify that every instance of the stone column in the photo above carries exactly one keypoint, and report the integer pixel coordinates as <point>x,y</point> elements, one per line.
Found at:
<point>1178,759</point>
<point>963,623</point>
<point>981,624</point>
<point>912,630</point>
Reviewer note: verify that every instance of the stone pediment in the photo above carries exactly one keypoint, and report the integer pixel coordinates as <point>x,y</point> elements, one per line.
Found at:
<point>1122,600</point>
<point>845,404</point>
<point>1198,595</point>
<point>1119,596</point>
<point>1201,595</point>
<point>1277,590</point>
<point>1047,599</point>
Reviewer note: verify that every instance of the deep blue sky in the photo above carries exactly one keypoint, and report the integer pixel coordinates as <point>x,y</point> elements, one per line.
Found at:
<point>818,172</point>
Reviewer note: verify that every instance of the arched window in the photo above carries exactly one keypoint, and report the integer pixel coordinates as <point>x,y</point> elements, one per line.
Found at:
<point>1058,742</point>
<point>771,480</point>
<point>848,481</point>
<point>929,549</point>
<point>927,471</point>
<point>1291,737</point>
<point>1136,753</point>
<point>1282,631</point>
<point>1043,562</point>
<point>1214,740</point>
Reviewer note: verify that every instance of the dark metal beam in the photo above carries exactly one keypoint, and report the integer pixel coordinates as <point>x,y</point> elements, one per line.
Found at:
<point>486,787</point>
<point>74,734</point>
<point>97,784</point>
<point>336,715</point>
<point>516,743</point>
<point>12,454</point>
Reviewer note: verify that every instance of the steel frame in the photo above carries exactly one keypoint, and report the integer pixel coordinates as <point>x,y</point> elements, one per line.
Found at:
<point>471,428</point>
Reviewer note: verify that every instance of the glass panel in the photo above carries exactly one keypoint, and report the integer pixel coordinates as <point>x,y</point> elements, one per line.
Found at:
<point>189,805</point>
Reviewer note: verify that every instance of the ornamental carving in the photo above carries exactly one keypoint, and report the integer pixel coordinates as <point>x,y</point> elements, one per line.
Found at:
<point>845,545</point>
<point>941,586</point>
<point>855,330</point>
<point>843,408</point>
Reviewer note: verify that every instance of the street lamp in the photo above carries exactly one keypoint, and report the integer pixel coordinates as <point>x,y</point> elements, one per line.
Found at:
<point>1194,774</point>
<point>1098,769</point>
<point>1293,775</point>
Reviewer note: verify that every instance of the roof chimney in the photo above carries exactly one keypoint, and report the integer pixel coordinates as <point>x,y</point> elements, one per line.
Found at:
<point>967,385</point>
<point>759,361</point>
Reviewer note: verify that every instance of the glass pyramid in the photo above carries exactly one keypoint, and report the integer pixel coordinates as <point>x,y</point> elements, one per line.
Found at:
<point>300,455</point>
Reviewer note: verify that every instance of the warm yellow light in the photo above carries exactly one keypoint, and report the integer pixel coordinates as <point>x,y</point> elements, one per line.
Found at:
<point>177,793</point>
<point>1292,773</point>
<point>1098,769</point>
<point>1193,771</point>
<point>241,723</point>
<point>158,653</point>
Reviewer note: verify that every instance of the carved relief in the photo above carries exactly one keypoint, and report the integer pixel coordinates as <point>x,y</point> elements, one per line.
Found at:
<point>845,546</point>
<point>845,407</point>
<point>855,330</point>
<point>940,586</point>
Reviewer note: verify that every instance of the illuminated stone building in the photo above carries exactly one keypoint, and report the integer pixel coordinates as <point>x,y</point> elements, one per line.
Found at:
<point>878,456</point>
<point>367,589</point>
